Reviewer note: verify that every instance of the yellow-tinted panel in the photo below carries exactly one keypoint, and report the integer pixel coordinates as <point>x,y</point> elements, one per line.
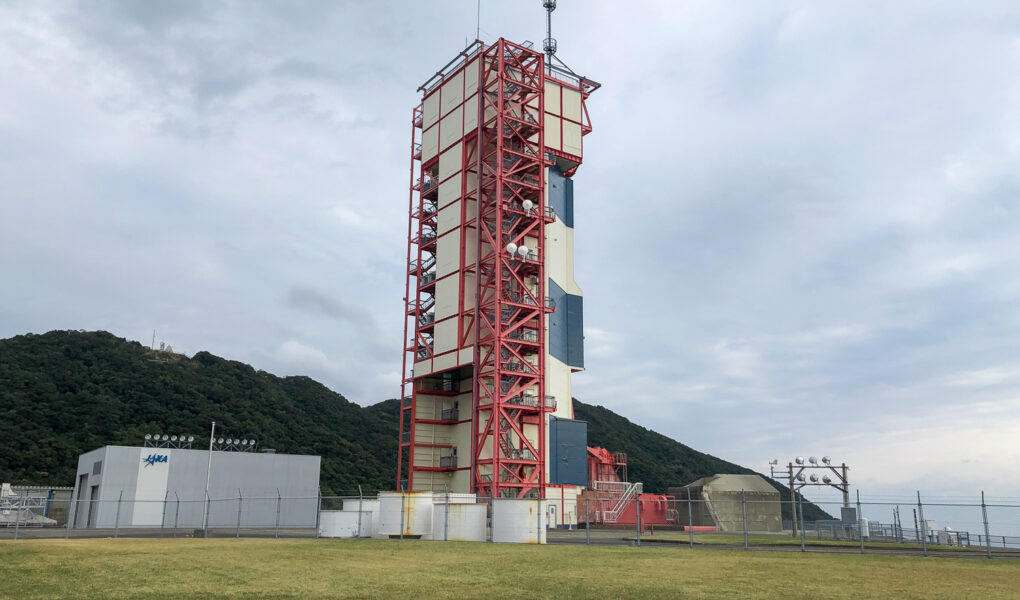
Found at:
<point>449,161</point>
<point>471,77</point>
<point>451,128</point>
<point>571,104</point>
<point>471,114</point>
<point>552,132</point>
<point>552,97</point>
<point>430,110</point>
<point>453,92</point>
<point>572,138</point>
<point>429,143</point>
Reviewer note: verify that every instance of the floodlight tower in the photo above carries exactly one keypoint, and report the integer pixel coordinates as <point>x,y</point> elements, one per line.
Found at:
<point>492,312</point>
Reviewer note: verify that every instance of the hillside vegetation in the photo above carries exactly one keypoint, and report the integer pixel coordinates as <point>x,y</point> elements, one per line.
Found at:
<point>66,392</point>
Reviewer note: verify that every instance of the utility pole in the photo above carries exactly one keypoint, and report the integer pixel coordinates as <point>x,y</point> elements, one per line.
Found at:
<point>208,472</point>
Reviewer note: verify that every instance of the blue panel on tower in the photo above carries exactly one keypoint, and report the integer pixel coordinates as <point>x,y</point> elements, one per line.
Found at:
<point>568,445</point>
<point>566,327</point>
<point>561,196</point>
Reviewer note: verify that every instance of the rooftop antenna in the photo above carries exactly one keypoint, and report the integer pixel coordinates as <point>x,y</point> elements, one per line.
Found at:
<point>549,44</point>
<point>478,21</point>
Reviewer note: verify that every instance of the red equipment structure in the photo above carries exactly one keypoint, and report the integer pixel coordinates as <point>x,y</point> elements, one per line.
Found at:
<point>612,500</point>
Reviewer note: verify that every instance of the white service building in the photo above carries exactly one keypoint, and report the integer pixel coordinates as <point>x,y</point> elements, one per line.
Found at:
<point>131,486</point>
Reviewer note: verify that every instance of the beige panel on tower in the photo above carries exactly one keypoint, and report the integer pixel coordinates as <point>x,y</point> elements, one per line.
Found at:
<point>441,363</point>
<point>450,161</point>
<point>571,104</point>
<point>552,132</point>
<point>449,217</point>
<point>446,295</point>
<point>471,77</point>
<point>453,92</point>
<point>471,114</point>
<point>552,97</point>
<point>429,143</point>
<point>430,111</point>
<point>446,335</point>
<point>449,191</point>
<point>451,128</point>
<point>572,138</point>
<point>447,254</point>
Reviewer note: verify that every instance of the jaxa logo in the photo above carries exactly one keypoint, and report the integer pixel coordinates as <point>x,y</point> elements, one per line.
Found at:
<point>154,458</point>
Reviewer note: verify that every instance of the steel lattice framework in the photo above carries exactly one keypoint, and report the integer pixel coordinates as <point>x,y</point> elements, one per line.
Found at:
<point>506,321</point>
<point>510,340</point>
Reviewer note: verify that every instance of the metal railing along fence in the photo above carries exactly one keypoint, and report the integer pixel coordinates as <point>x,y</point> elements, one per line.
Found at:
<point>607,516</point>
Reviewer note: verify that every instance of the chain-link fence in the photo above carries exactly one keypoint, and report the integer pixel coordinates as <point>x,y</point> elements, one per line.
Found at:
<point>737,520</point>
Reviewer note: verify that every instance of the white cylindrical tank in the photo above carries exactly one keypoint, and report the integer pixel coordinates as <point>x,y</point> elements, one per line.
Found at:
<point>369,506</point>
<point>344,524</point>
<point>413,510</point>
<point>519,521</point>
<point>466,522</point>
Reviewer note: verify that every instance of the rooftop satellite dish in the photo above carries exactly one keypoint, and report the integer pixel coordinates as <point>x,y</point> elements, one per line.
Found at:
<point>799,460</point>
<point>813,460</point>
<point>511,248</point>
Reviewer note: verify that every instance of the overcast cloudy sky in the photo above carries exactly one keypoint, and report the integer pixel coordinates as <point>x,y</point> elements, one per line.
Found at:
<point>798,223</point>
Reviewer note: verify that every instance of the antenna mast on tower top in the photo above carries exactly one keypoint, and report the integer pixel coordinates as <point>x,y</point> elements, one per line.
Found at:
<point>549,45</point>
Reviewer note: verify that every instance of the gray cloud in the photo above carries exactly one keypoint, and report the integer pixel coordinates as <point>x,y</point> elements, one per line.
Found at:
<point>796,223</point>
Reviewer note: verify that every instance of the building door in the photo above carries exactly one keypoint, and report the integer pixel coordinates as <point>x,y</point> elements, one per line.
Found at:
<point>93,501</point>
<point>79,515</point>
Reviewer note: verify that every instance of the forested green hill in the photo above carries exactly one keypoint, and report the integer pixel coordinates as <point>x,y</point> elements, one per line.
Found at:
<point>65,392</point>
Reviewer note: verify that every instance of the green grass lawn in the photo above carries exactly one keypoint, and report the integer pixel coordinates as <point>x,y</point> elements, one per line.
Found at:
<point>152,569</point>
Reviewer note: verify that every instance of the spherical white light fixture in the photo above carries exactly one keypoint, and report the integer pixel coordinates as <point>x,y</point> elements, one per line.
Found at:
<point>799,460</point>
<point>148,436</point>
<point>528,205</point>
<point>826,479</point>
<point>522,251</point>
<point>826,459</point>
<point>173,438</point>
<point>813,460</point>
<point>814,478</point>
<point>165,437</point>
<point>511,248</point>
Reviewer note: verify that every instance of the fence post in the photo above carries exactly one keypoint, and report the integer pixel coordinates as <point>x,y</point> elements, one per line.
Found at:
<point>177,510</point>
<point>587,521</point>
<point>361,501</point>
<point>743,512</point>
<point>637,513</point>
<point>690,520</point>
<point>984,517</point>
<point>17,517</point>
<point>72,510</point>
<point>800,509</point>
<point>446,517</point>
<point>116,523</point>
<point>318,509</point>
<point>162,519</point>
<point>237,533</point>
<point>279,500</point>
<point>923,532</point>
<point>403,499</point>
